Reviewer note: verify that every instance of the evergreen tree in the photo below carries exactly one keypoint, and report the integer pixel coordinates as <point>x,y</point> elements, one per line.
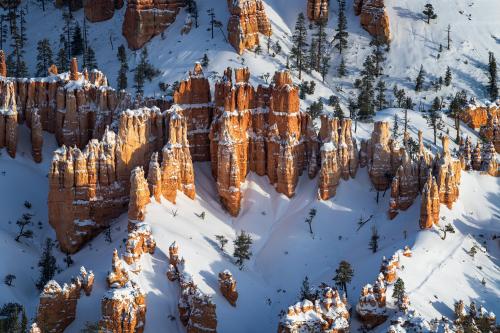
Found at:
<point>22,28</point>
<point>407,105</point>
<point>419,82</point>
<point>341,70</point>
<point>380,98</point>
<point>325,66</point>
<point>337,110</point>
<point>13,318</point>
<point>222,241</point>
<point>306,292</point>
<point>374,240</point>
<point>312,56</point>
<point>399,292</point>
<point>299,40</point>
<point>144,71</point>
<point>315,109</point>
<point>44,57</point>
<point>448,37</point>
<point>22,223</point>
<point>62,60</point>
<point>258,49</point>
<point>67,32</point>
<point>457,108</point>
<point>122,73</point>
<point>47,264</point>
<point>192,8</point>
<point>492,71</point>
<point>205,61</point>
<point>400,95</point>
<point>395,127</point>
<point>433,117</point>
<point>341,36</point>
<point>366,95</point>
<point>77,46</point>
<point>353,112</point>
<point>320,36</point>
<point>3,31</point>
<point>447,77</point>
<point>377,56</point>
<point>90,60</point>
<point>343,275</point>
<point>429,13</point>
<point>242,245</point>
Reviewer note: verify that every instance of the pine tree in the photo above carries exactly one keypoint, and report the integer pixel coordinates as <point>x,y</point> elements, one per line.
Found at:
<point>398,292</point>
<point>77,46</point>
<point>341,36</point>
<point>22,28</point>
<point>400,95</point>
<point>433,117</point>
<point>447,77</point>
<point>268,44</point>
<point>310,218</point>
<point>377,56</point>
<point>258,50</point>
<point>22,223</point>
<point>3,31</point>
<point>67,32</point>
<point>366,94</point>
<point>13,318</point>
<point>122,73</point>
<point>44,57</point>
<point>299,40</point>
<point>90,60</point>
<point>306,292</point>
<point>419,82</point>
<point>492,71</point>
<point>395,127</point>
<point>457,108</point>
<point>448,30</point>
<point>62,60</point>
<point>374,240</point>
<point>343,275</point>
<point>320,36</point>
<point>312,56</point>
<point>192,8</point>
<point>341,70</point>
<point>222,241</point>
<point>380,98</point>
<point>205,61</point>
<point>337,110</point>
<point>429,13</point>
<point>325,66</point>
<point>353,112</point>
<point>47,264</point>
<point>242,245</point>
<point>144,71</point>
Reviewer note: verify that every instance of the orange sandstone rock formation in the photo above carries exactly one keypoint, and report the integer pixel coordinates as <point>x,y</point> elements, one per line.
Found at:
<point>248,19</point>
<point>119,274</point>
<point>429,209</point>
<point>3,65</point>
<point>327,314</point>
<point>374,18</point>
<point>101,10</point>
<point>389,269</point>
<point>371,307</point>
<point>491,132</point>
<point>57,308</point>
<point>339,154</point>
<point>476,114</point>
<point>8,117</point>
<point>145,19</point>
<point>36,137</point>
<point>317,10</point>
<point>482,158</point>
<point>405,186</point>
<point>448,175</point>
<point>227,286</point>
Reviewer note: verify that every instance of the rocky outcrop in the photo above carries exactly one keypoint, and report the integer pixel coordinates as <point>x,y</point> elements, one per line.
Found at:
<point>89,188</point>
<point>227,286</point>
<point>448,175</point>
<point>388,268</point>
<point>491,132</point>
<point>3,64</point>
<point>339,154</point>
<point>9,3</point>
<point>193,101</point>
<point>123,310</point>
<point>317,10</point>
<point>374,18</point>
<point>254,132</point>
<point>119,274</point>
<point>101,10</point>
<point>35,329</point>
<point>57,308</point>
<point>196,309</point>
<point>383,156</point>
<point>248,19</point>
<point>429,209</point>
<point>371,308</point>
<point>73,4</point>
<point>145,19</point>
<point>476,114</point>
<point>328,314</point>
<point>405,186</point>
<point>36,137</point>
<point>482,158</point>
<point>8,117</point>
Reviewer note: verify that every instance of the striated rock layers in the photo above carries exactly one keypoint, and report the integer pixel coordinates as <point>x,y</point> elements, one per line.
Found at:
<point>339,154</point>
<point>328,314</point>
<point>193,101</point>
<point>248,19</point>
<point>317,10</point>
<point>259,130</point>
<point>371,308</point>
<point>145,19</point>
<point>101,10</point>
<point>8,117</point>
<point>196,309</point>
<point>374,18</point>
<point>429,209</point>
<point>90,187</point>
<point>388,269</point>
<point>57,308</point>
<point>227,286</point>
<point>448,175</point>
<point>491,132</point>
<point>405,185</point>
<point>476,114</point>
<point>480,158</point>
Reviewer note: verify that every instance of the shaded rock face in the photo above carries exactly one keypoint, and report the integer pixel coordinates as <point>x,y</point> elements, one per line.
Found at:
<point>100,10</point>
<point>9,3</point>
<point>429,209</point>
<point>248,19</point>
<point>371,307</point>
<point>193,101</point>
<point>339,155</point>
<point>328,314</point>
<point>227,286</point>
<point>374,18</point>
<point>73,4</point>
<point>317,10</point>
<point>259,130</point>
<point>8,117</point>
<point>145,19</point>
<point>480,158</point>
<point>196,310</point>
<point>491,132</point>
<point>57,307</point>
<point>382,156</point>
<point>405,185</point>
<point>90,187</point>
<point>448,175</point>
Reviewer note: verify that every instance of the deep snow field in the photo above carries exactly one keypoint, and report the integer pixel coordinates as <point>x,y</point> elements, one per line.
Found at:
<point>439,273</point>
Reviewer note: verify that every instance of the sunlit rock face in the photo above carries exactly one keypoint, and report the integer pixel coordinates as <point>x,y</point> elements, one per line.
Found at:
<point>374,18</point>
<point>317,10</point>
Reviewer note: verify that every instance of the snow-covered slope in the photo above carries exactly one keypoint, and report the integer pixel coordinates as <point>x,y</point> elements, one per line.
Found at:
<point>439,273</point>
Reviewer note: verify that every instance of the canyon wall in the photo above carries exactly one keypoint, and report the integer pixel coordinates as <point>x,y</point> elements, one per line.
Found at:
<point>374,18</point>
<point>317,10</point>
<point>101,10</point>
